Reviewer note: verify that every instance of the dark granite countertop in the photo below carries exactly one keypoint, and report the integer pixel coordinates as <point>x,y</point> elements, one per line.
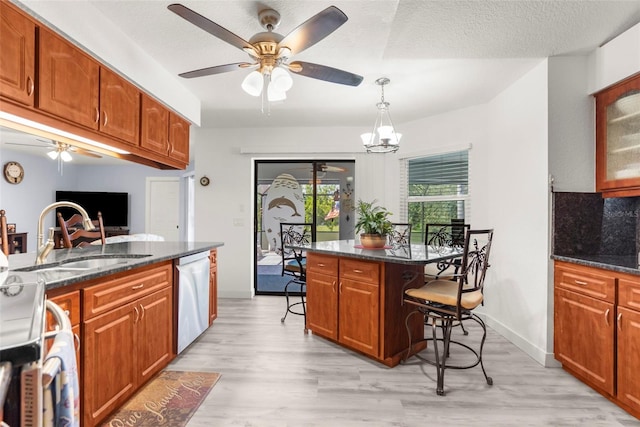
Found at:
<point>131,255</point>
<point>623,264</point>
<point>413,254</point>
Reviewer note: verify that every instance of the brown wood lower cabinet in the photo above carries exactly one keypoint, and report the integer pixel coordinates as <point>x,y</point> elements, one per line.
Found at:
<point>358,304</point>
<point>127,336</point>
<point>596,337</point>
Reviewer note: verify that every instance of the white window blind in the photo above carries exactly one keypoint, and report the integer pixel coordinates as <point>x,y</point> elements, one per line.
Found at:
<point>434,189</point>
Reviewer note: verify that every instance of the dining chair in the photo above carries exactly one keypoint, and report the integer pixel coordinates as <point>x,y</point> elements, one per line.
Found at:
<point>294,265</point>
<point>74,235</point>
<point>445,302</point>
<point>442,237</point>
<point>400,235</point>
<point>4,233</point>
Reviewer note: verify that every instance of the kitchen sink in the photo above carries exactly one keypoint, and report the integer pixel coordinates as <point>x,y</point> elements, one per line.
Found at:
<point>90,263</point>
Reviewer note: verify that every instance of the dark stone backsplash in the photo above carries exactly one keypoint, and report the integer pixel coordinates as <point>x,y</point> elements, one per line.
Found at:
<point>587,224</point>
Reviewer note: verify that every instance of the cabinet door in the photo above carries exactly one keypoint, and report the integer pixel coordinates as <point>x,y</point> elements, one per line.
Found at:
<point>618,139</point>
<point>154,333</point>
<point>322,304</point>
<point>178,138</point>
<point>109,361</point>
<point>628,361</point>
<point>584,338</point>
<point>119,107</point>
<point>68,84</point>
<point>213,286</point>
<point>17,55</point>
<point>359,316</point>
<point>155,126</point>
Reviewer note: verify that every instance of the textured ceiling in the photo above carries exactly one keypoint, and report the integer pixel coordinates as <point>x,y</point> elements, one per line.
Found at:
<point>439,55</point>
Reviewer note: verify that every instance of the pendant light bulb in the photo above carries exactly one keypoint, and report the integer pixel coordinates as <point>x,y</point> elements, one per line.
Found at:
<point>52,154</point>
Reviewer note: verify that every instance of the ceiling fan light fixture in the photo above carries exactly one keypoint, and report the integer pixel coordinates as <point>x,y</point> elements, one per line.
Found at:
<point>281,80</point>
<point>274,94</point>
<point>65,156</point>
<point>53,154</point>
<point>383,138</point>
<point>253,83</point>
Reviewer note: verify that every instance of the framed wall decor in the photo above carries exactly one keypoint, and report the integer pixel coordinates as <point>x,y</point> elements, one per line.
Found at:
<point>11,228</point>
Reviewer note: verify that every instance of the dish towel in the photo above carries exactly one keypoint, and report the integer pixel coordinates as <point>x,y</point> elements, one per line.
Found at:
<point>61,398</point>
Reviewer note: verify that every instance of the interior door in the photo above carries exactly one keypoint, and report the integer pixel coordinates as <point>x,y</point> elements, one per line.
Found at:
<point>316,191</point>
<point>163,208</point>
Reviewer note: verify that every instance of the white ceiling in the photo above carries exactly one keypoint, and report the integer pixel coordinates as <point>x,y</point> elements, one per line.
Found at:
<point>439,55</point>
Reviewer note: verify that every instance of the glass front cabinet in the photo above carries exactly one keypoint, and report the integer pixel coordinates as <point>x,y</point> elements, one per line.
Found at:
<point>618,139</point>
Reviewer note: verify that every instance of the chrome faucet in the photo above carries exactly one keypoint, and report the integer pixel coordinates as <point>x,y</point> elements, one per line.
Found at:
<point>45,249</point>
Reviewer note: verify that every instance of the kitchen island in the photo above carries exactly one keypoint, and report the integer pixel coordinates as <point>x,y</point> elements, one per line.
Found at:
<point>122,300</point>
<point>354,296</point>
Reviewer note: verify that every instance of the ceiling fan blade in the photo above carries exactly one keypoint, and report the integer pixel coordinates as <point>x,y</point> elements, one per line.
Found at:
<point>322,72</point>
<point>218,69</point>
<point>314,29</point>
<point>210,26</point>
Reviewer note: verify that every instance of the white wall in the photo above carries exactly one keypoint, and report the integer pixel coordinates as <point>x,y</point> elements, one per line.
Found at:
<point>615,60</point>
<point>517,205</point>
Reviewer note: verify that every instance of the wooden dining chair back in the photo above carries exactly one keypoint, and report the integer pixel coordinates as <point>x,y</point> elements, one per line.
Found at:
<point>294,264</point>
<point>444,303</point>
<point>74,234</point>
<point>4,233</point>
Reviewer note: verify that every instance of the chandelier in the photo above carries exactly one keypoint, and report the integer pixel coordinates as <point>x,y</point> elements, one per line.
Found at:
<point>383,138</point>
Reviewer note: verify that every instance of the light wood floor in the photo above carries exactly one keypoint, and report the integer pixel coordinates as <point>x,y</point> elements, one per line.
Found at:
<point>275,375</point>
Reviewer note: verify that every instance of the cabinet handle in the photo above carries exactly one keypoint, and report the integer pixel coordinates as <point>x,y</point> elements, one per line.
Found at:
<point>137,314</point>
<point>580,282</point>
<point>340,287</point>
<point>333,286</point>
<point>77,340</point>
<point>140,286</point>
<point>142,310</point>
<point>105,120</point>
<point>321,264</point>
<point>30,86</point>
<point>355,270</point>
<point>97,116</point>
<point>606,316</point>
<point>620,321</point>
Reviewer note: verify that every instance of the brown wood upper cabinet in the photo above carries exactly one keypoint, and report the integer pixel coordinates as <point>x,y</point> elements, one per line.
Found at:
<point>119,107</point>
<point>17,55</point>
<point>618,139</point>
<point>69,81</point>
<point>164,132</point>
<point>48,79</point>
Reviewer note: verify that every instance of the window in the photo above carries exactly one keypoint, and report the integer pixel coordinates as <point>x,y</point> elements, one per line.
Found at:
<point>434,189</point>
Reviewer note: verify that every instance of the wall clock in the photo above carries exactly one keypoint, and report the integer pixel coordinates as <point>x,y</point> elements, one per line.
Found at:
<point>204,181</point>
<point>13,172</point>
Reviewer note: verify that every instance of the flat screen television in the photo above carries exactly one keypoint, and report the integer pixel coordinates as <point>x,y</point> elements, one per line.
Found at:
<point>114,206</point>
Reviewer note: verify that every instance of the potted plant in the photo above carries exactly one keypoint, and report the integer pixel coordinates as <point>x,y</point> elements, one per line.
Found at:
<point>374,223</point>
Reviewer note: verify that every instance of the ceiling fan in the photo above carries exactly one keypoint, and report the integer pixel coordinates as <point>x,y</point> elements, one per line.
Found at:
<point>58,149</point>
<point>270,52</point>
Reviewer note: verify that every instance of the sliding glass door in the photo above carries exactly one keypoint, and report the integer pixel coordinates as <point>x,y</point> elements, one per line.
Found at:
<point>314,191</point>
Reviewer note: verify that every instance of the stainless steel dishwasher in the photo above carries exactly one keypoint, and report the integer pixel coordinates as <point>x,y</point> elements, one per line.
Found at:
<point>193,297</point>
